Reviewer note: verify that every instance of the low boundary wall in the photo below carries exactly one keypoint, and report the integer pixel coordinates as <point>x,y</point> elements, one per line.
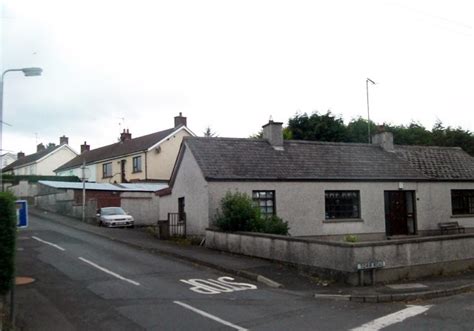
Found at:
<point>404,258</point>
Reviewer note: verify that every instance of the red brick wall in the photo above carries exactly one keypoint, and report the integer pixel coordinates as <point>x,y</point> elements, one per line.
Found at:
<point>103,198</point>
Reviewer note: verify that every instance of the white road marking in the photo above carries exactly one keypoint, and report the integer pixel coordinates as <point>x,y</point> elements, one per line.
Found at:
<point>109,272</point>
<point>212,317</point>
<point>221,285</point>
<point>48,243</point>
<point>394,318</point>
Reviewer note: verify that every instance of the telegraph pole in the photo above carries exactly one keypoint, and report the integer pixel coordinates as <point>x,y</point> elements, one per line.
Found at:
<point>83,168</point>
<point>368,112</point>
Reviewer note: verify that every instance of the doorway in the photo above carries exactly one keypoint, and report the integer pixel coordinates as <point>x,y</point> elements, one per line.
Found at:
<point>400,213</point>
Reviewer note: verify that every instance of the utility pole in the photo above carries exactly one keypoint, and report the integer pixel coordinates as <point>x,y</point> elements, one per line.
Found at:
<point>83,168</point>
<point>368,112</point>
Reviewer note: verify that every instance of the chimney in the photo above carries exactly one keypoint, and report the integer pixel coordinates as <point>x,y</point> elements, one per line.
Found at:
<point>63,140</point>
<point>180,120</point>
<point>85,148</point>
<point>40,147</point>
<point>125,135</point>
<point>384,140</point>
<point>273,133</point>
<point>20,155</point>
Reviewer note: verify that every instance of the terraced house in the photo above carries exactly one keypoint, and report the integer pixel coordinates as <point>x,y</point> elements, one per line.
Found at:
<point>44,161</point>
<point>325,189</point>
<point>146,158</point>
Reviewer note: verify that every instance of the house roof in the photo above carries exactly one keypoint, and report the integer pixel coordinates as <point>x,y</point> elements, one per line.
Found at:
<point>130,187</point>
<point>254,159</point>
<point>450,163</point>
<point>118,149</point>
<point>27,159</point>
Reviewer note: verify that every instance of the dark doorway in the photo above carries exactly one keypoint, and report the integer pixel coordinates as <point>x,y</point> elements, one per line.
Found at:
<point>181,211</point>
<point>122,171</point>
<point>400,213</point>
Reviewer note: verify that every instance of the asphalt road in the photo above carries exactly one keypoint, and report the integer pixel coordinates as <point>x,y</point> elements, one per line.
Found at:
<point>86,282</point>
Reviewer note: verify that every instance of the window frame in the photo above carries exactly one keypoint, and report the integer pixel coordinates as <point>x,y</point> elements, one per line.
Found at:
<point>137,167</point>
<point>334,212</point>
<point>104,170</point>
<point>264,208</point>
<point>466,199</point>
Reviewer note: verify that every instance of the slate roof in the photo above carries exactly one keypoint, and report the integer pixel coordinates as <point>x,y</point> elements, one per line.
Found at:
<point>27,159</point>
<point>253,159</point>
<point>450,163</point>
<point>118,149</point>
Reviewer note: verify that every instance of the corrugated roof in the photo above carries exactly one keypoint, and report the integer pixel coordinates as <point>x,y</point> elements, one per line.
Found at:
<point>120,148</point>
<point>256,159</point>
<point>129,187</point>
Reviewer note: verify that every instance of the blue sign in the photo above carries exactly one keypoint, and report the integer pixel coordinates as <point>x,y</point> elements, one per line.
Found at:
<point>22,213</point>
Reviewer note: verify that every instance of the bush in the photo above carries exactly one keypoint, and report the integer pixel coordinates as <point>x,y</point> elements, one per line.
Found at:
<point>239,213</point>
<point>7,241</point>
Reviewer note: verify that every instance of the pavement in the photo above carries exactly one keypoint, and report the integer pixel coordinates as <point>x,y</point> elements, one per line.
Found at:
<point>271,273</point>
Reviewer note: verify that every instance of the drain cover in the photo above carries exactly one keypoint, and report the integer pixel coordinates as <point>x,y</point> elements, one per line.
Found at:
<point>23,280</point>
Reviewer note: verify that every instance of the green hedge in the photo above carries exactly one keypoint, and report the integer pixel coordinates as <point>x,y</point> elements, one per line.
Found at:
<point>240,213</point>
<point>7,241</point>
<point>15,179</point>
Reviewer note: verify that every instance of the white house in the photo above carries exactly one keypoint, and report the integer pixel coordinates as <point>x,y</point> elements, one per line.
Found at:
<point>6,159</point>
<point>146,158</point>
<point>325,189</point>
<point>44,161</point>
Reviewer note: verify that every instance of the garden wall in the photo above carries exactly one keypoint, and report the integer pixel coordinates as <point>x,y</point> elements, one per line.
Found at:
<point>404,258</point>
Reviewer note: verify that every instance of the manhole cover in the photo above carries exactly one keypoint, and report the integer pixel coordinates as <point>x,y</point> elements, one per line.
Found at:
<point>23,280</point>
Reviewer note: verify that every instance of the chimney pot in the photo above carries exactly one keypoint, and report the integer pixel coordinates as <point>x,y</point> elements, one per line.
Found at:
<point>85,147</point>
<point>384,140</point>
<point>180,120</point>
<point>273,133</point>
<point>40,147</point>
<point>20,155</point>
<point>125,135</point>
<point>63,140</point>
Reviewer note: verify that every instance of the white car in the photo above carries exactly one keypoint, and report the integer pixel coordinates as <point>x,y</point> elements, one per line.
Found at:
<point>114,217</point>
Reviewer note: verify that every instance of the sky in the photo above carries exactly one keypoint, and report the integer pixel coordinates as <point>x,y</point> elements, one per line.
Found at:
<point>230,65</point>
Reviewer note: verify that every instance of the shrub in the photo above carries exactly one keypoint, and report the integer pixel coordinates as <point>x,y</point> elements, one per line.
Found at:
<point>7,241</point>
<point>272,224</point>
<point>351,238</point>
<point>239,213</point>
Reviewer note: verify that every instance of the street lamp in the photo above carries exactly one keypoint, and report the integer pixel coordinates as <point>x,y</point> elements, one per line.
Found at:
<point>368,112</point>
<point>28,72</point>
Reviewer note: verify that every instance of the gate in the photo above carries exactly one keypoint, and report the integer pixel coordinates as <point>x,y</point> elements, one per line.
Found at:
<point>177,224</point>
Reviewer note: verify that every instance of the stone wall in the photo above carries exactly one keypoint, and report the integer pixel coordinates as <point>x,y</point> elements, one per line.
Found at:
<point>404,258</point>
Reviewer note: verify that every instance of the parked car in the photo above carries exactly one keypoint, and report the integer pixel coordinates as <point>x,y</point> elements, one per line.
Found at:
<point>114,217</point>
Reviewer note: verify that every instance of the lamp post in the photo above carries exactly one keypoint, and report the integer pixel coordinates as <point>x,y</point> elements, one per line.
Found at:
<point>28,72</point>
<point>368,111</point>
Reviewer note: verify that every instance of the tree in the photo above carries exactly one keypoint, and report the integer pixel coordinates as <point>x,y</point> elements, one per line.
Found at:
<point>209,133</point>
<point>325,127</point>
<point>357,130</point>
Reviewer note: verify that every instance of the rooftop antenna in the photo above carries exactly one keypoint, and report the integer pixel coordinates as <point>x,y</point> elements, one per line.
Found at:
<point>368,112</point>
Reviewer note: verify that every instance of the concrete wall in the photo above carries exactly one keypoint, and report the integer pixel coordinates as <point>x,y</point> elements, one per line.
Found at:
<point>24,189</point>
<point>302,204</point>
<point>405,259</point>
<point>191,185</point>
<point>143,206</point>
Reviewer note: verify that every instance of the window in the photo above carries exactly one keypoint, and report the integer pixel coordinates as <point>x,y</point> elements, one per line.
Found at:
<point>107,170</point>
<point>462,202</point>
<point>266,201</point>
<point>137,164</point>
<point>342,204</point>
